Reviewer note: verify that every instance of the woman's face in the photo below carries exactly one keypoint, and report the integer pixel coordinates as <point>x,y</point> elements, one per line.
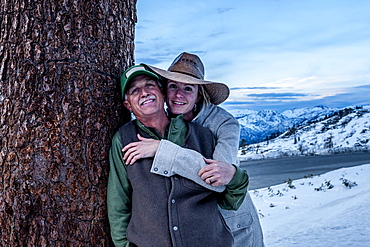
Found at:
<point>181,98</point>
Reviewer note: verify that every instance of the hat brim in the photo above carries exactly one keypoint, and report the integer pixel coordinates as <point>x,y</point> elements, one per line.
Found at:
<point>218,92</point>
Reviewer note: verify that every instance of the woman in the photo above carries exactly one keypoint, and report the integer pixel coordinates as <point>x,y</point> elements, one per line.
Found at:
<point>189,94</point>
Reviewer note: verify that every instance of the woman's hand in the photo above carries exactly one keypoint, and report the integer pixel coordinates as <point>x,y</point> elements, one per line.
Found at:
<point>144,148</point>
<point>217,173</point>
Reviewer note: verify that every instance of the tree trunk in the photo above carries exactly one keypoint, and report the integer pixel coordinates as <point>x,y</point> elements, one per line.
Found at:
<point>60,62</point>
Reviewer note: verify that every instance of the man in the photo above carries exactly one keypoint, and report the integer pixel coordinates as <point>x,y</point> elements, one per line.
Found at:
<point>146,209</point>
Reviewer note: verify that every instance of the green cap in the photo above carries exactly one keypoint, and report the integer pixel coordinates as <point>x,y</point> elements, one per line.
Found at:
<point>131,73</point>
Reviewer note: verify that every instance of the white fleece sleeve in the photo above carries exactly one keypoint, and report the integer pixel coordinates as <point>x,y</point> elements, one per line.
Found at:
<point>171,159</point>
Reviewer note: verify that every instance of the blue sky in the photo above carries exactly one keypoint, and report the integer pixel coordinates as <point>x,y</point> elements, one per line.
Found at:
<point>273,54</point>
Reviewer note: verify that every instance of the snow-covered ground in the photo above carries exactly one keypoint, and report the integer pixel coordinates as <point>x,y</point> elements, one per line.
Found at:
<point>310,212</point>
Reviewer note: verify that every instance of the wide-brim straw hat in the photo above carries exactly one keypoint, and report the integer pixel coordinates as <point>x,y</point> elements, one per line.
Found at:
<point>188,68</point>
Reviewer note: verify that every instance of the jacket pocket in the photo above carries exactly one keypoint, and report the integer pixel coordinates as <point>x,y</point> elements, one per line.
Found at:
<point>239,222</point>
<point>241,226</point>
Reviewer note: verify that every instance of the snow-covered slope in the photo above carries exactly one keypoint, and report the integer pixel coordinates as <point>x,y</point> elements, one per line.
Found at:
<point>323,132</point>
<point>326,210</point>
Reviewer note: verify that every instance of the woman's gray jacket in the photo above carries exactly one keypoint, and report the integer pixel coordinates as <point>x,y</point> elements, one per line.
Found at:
<point>244,223</point>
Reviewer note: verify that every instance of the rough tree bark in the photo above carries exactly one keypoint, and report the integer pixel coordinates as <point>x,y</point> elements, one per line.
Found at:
<point>60,61</point>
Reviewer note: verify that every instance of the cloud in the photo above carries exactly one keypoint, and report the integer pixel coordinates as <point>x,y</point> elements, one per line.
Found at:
<point>215,34</point>
<point>241,88</point>
<point>223,10</point>
<point>276,95</point>
<point>341,97</point>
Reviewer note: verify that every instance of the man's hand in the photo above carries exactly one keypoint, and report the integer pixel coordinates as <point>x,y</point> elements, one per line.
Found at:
<point>217,173</point>
<point>144,148</point>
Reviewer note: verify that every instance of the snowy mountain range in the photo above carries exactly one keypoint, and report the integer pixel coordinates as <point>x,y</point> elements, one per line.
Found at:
<point>259,126</point>
<point>305,131</point>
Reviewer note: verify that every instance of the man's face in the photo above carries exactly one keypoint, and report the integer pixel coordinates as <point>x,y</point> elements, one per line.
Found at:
<point>144,97</point>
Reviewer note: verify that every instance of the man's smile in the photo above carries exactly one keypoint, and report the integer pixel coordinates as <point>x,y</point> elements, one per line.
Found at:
<point>148,100</point>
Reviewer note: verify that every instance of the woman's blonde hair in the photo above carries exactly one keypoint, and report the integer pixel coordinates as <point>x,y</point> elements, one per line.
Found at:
<point>204,94</point>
